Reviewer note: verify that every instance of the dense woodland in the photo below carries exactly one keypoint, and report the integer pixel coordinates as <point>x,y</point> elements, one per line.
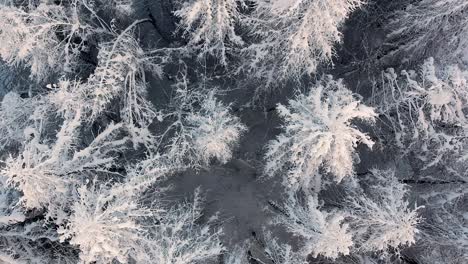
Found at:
<point>234,131</point>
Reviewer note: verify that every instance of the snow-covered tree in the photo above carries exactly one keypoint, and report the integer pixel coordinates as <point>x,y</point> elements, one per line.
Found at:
<point>209,26</point>
<point>431,28</point>
<point>383,219</point>
<point>426,110</point>
<point>318,133</point>
<point>294,36</point>
<point>104,225</point>
<point>216,131</point>
<point>46,38</point>
<point>323,233</point>
<point>120,78</point>
<point>179,238</point>
<point>203,129</point>
<point>109,222</point>
<point>31,174</point>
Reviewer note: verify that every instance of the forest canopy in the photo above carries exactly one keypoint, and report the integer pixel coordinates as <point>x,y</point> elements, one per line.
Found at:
<point>234,131</point>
